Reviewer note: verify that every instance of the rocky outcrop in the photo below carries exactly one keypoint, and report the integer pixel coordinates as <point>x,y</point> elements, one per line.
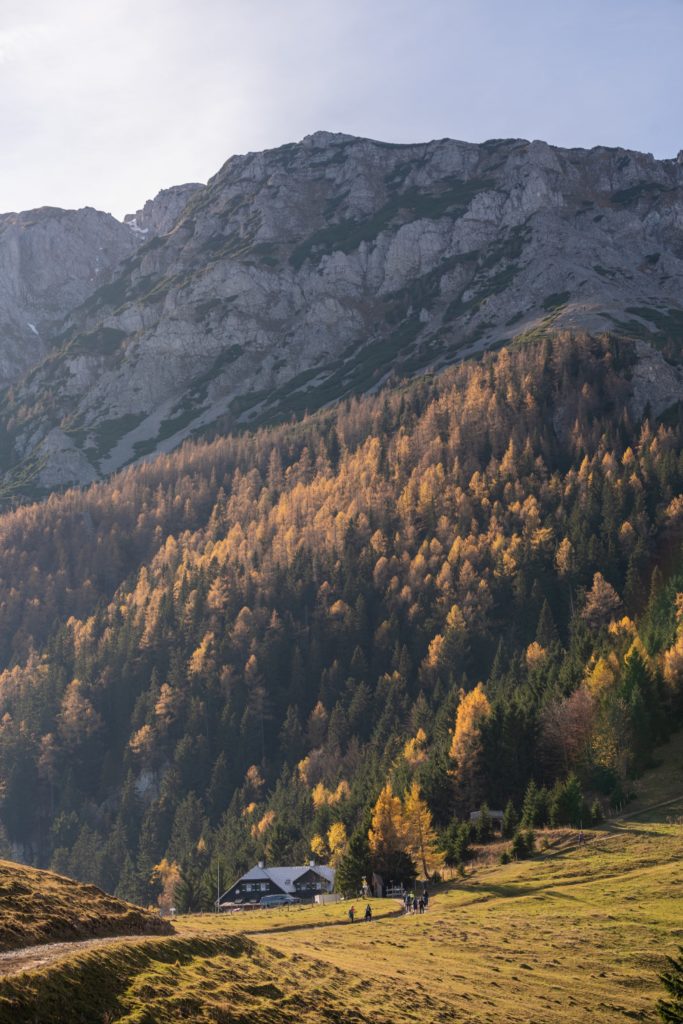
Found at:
<point>312,271</point>
<point>657,384</point>
<point>50,261</point>
<point>159,215</point>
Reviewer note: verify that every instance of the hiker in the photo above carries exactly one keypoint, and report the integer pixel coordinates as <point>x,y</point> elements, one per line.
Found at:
<point>415,904</point>
<point>368,913</point>
<point>425,897</point>
<point>421,905</point>
<point>407,901</point>
<point>352,914</point>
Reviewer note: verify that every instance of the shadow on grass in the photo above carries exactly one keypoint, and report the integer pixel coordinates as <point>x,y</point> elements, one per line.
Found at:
<point>616,829</point>
<point>342,922</point>
<point>504,891</point>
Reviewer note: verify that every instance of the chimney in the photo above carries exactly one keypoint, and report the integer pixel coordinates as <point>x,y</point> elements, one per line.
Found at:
<point>311,863</point>
<point>262,864</point>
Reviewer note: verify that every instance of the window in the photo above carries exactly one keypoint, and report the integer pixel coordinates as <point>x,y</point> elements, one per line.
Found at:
<point>264,887</point>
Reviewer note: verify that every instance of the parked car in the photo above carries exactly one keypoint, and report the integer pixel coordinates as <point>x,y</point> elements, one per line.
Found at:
<point>278,900</point>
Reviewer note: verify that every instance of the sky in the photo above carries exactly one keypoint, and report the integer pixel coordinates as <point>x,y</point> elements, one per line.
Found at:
<point>105,104</point>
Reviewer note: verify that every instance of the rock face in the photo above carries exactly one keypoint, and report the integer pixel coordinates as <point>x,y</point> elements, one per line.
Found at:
<point>50,261</point>
<point>160,214</point>
<point>313,271</point>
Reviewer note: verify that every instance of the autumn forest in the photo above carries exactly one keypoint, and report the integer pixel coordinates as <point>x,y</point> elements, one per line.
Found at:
<point>339,637</point>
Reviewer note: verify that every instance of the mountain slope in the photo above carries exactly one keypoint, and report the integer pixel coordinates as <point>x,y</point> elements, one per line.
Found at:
<point>260,632</point>
<point>305,273</point>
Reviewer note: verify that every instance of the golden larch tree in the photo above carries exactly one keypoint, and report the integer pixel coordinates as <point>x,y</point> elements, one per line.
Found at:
<point>337,842</point>
<point>420,836</point>
<point>387,829</point>
<point>466,750</point>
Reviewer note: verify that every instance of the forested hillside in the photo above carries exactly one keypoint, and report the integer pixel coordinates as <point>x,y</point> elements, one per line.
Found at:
<point>236,649</point>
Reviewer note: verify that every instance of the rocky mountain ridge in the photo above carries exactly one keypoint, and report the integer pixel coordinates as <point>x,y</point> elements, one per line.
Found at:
<point>51,260</point>
<point>305,273</point>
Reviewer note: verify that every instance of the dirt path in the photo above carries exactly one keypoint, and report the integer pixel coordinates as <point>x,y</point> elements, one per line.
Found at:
<point>31,958</point>
<point>645,810</point>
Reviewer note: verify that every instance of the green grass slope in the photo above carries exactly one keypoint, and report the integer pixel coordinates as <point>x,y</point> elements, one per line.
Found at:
<point>577,933</point>
<point>39,906</point>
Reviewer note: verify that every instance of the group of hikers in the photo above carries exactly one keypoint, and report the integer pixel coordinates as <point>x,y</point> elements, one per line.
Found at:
<point>412,904</point>
<point>416,904</point>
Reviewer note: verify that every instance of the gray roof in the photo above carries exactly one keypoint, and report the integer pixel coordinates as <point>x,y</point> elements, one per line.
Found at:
<point>285,877</point>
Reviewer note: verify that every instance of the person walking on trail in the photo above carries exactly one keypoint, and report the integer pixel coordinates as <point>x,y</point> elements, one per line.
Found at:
<point>408,902</point>
<point>425,897</point>
<point>421,905</point>
<point>368,913</point>
<point>352,914</point>
<point>415,904</point>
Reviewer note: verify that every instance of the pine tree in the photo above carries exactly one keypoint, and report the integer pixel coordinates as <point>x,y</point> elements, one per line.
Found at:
<point>546,630</point>
<point>597,813</point>
<point>530,806</point>
<point>510,820</point>
<point>671,1010</point>
<point>193,892</point>
<point>484,826</point>
<point>455,842</point>
<point>355,867</point>
<point>566,803</point>
<point>519,849</point>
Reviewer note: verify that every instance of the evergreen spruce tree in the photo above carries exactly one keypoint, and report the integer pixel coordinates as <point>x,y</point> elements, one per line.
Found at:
<point>518,849</point>
<point>546,630</point>
<point>671,1009</point>
<point>566,803</point>
<point>193,893</point>
<point>455,842</point>
<point>510,820</point>
<point>597,814</point>
<point>530,806</point>
<point>484,827</point>
<point>355,867</point>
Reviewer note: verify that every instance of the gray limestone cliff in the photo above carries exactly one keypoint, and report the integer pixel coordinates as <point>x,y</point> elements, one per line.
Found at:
<point>50,261</point>
<point>317,270</point>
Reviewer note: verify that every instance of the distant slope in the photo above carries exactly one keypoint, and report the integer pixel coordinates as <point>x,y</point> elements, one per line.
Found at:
<point>39,906</point>
<point>312,271</point>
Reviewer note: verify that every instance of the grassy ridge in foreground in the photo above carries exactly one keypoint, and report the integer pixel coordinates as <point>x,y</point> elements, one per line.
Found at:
<point>39,906</point>
<point>92,986</point>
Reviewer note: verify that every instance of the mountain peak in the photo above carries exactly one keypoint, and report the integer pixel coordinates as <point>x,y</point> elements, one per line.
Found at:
<point>316,270</point>
<point>324,138</point>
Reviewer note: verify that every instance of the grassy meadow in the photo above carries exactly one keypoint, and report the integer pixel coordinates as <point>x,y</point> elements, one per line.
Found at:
<point>578,933</point>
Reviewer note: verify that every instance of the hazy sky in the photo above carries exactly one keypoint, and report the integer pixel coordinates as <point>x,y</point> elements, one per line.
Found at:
<point>103,104</point>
